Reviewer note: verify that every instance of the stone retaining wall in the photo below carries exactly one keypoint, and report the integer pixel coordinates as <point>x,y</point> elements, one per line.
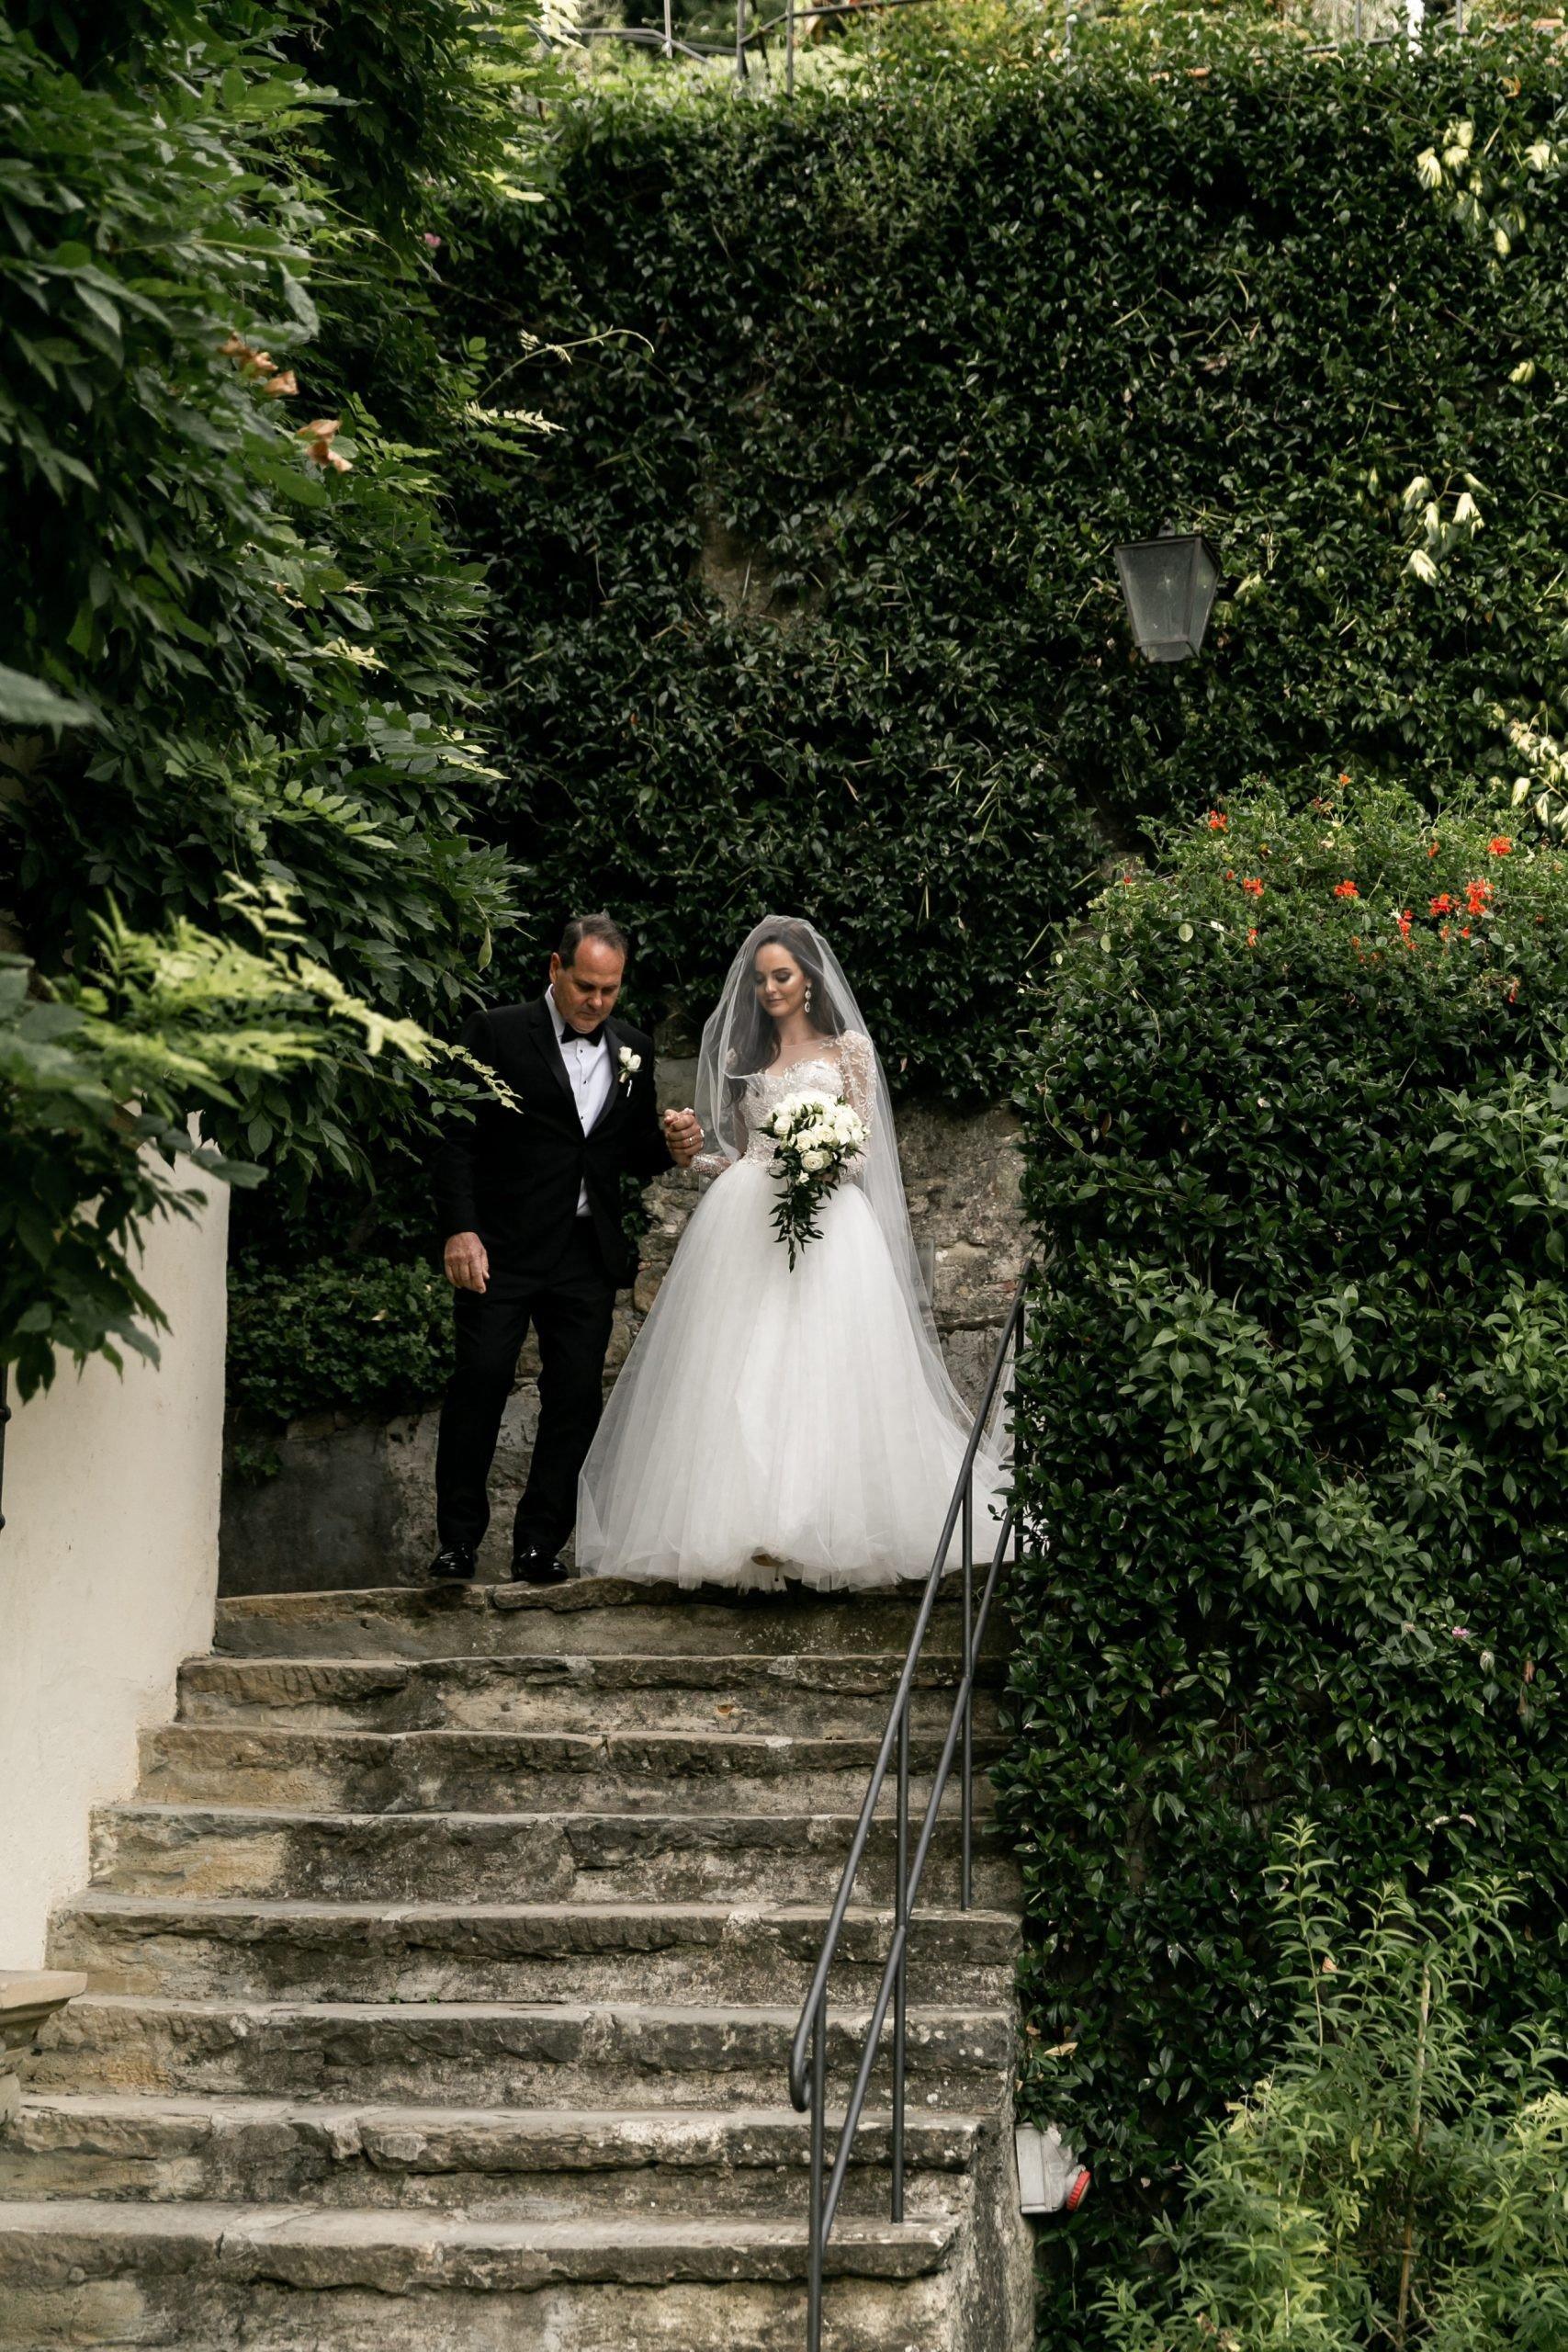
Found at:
<point>354,1501</point>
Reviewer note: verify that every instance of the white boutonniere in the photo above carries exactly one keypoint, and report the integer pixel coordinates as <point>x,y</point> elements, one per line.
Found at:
<point>631,1065</point>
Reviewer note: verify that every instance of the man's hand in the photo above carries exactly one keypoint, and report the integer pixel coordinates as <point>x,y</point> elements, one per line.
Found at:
<point>467,1261</point>
<point>683,1134</point>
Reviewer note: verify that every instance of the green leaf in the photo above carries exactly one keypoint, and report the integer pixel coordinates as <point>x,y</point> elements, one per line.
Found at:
<point>27,702</point>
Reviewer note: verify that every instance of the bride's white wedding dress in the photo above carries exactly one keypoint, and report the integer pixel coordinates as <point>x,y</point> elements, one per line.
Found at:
<point>771,1424</point>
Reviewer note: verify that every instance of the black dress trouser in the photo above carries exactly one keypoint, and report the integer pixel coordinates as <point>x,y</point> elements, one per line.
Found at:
<point>572,1313</point>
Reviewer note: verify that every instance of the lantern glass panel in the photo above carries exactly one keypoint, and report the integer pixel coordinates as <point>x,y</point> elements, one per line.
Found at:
<point>1169,587</point>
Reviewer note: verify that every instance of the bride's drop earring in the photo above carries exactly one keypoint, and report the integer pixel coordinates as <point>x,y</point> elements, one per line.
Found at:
<point>807,996</point>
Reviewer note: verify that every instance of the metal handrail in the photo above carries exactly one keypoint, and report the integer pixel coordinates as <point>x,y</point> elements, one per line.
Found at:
<point>808,2052</point>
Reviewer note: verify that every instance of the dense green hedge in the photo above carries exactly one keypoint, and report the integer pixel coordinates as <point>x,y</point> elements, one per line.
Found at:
<point>1296,1415</point>
<point>808,600</point>
<point>367,1335</point>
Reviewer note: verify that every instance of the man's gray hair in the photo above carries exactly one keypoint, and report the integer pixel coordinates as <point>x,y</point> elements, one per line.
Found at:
<point>600,927</point>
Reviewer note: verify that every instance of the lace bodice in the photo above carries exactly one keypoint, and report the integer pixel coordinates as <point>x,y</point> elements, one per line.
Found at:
<point>846,1066</point>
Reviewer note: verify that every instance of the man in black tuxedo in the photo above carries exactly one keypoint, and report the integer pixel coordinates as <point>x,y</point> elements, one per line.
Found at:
<point>530,1203</point>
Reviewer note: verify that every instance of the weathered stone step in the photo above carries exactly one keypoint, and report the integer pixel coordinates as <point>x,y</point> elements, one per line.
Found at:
<point>618,2054</point>
<point>489,1772</point>
<point>690,1952</point>
<point>814,1694</point>
<point>586,1616</point>
<point>538,2164</point>
<point>279,2277</point>
<point>215,1850</point>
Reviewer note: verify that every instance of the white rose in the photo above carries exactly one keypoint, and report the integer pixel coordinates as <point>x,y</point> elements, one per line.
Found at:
<point>814,1161</point>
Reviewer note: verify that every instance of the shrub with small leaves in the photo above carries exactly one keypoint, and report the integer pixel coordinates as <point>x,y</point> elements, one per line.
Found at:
<point>1396,2182</point>
<point>368,1335</point>
<point>1296,1423</point>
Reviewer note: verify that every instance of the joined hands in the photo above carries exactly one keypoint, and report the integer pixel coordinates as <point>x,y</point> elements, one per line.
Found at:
<point>683,1134</point>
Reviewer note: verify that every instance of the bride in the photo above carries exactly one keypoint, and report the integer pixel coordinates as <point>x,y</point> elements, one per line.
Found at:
<point>770,1423</point>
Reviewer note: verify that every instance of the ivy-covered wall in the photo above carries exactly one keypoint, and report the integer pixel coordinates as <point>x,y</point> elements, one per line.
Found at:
<point>808,601</point>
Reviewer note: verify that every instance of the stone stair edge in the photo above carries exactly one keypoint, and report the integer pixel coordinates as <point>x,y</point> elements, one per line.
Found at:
<point>107,1902</point>
<point>584,2250</point>
<point>670,2135</point>
<point>836,1746</point>
<point>847,2015</point>
<point>582,1593</point>
<point>720,1820</point>
<point>525,1664</point>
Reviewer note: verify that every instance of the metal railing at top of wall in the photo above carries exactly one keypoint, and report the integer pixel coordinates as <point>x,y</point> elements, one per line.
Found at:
<point>1413,19</point>
<point>809,2054</point>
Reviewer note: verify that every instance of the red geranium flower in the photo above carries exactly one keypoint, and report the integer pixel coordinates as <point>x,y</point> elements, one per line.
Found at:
<point>1405,919</point>
<point>1500,846</point>
<point>1346,890</point>
<point>1477,898</point>
<point>1252,886</point>
<point>1252,937</point>
<point>1443,904</point>
<point>1216,822</point>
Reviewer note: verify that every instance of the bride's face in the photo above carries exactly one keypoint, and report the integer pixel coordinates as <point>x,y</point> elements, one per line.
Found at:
<point>779,981</point>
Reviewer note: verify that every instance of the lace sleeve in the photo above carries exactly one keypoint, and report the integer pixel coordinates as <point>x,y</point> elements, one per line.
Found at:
<point>858,1063</point>
<point>714,1163</point>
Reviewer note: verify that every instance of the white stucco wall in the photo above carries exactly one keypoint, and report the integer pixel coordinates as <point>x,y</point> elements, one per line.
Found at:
<point>108,1568</point>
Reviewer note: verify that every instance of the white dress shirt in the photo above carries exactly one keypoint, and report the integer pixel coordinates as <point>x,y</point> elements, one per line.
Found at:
<point>591,1078</point>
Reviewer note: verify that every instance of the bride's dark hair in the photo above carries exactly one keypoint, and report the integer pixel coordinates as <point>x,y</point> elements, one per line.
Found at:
<point>756,1034</point>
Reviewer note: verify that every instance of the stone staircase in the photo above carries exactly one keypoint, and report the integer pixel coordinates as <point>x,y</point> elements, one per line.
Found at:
<point>443,1973</point>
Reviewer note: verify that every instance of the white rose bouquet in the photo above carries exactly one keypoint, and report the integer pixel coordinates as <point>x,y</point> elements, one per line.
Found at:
<point>816,1137</point>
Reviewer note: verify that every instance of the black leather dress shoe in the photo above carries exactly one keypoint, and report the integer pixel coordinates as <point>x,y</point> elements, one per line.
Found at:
<point>455,1564</point>
<point>536,1567</point>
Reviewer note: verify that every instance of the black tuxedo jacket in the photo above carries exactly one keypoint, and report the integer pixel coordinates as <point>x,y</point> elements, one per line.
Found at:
<point>514,1177</point>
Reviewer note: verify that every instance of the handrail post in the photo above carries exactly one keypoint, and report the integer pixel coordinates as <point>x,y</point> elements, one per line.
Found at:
<point>900,1988</point>
<point>816,2249</point>
<point>966,1791</point>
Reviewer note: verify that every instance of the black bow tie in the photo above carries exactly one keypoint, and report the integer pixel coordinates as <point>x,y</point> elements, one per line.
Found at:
<point>581,1037</point>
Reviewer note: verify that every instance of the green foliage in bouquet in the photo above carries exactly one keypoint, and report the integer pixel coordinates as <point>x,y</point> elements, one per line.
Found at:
<point>808,601</point>
<point>1294,1432</point>
<point>1395,2183</point>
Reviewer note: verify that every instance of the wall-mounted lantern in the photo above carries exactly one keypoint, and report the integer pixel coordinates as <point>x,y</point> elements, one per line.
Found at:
<point>1170,586</point>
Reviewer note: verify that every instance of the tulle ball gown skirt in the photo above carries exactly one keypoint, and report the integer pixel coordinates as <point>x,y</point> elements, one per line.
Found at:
<point>772,1424</point>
